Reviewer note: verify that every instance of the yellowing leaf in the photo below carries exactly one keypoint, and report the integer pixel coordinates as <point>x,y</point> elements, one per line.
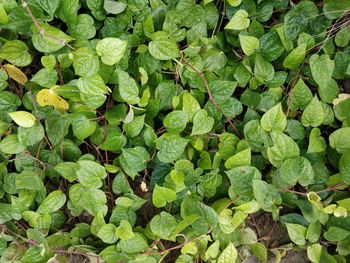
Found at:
<point>16,74</point>
<point>48,97</point>
<point>23,118</point>
<point>341,97</point>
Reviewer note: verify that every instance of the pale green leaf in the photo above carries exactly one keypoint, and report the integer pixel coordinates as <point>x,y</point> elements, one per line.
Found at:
<point>111,50</point>
<point>239,21</point>
<point>23,118</point>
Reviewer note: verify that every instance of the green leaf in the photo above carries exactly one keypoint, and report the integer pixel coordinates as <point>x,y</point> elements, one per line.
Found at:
<point>163,49</point>
<point>300,95</point>
<point>334,9</point>
<point>11,145</point>
<point>48,43</point>
<point>202,123</point>
<point>213,250</point>
<point>234,2</point>
<point>45,78</point>
<point>239,21</point>
<point>175,121</point>
<point>247,236</point>
<point>242,158</point>
<point>222,90</point>
<point>187,221</point>
<point>260,251</point>
<point>249,44</point>
<point>6,213</point>
<point>134,160</point>
<point>341,109</point>
<point>54,201</point>
<point>97,223</point>
<point>82,126</point>
<point>96,7</point>
<point>68,10</point>
<point>133,128</point>
<point>120,184</point>
<point>32,135</point>
<point>297,19</point>
<point>114,7</point>
<point>284,148</point>
<point>91,199</point>
<point>162,195</point>
<point>297,233</point>
<point>190,105</point>
<point>295,170</point>
<point>274,119</point>
<point>85,62</point>
<point>83,28</point>
<point>313,114</point>
<point>322,68</point>
<point>90,173</point>
<point>92,90</point>
<point>171,147</point>
<point>336,234</point>
<point>314,253</point>
<point>23,118</point>
<point>189,248</point>
<point>317,143</point>
<point>136,244</point>
<point>163,225</point>
<point>3,15</point>
<point>340,140</point>
<point>128,89</point>
<point>266,195</point>
<point>50,6</point>
<point>313,232</point>
<point>29,180</point>
<point>263,70</point>
<point>111,50</point>
<point>67,170</point>
<point>124,230</point>
<point>56,127</point>
<point>229,254</point>
<point>241,179</point>
<point>107,233</point>
<point>16,52</point>
<point>295,58</point>
<point>328,91</point>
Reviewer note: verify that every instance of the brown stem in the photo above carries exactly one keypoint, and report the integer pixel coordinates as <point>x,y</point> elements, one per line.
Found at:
<point>40,29</point>
<point>206,84</point>
<point>331,188</point>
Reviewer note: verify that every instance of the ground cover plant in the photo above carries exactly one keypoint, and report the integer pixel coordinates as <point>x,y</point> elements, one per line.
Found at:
<point>174,131</point>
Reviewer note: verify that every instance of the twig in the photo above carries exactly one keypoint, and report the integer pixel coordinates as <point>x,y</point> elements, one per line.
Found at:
<point>330,32</point>
<point>270,233</point>
<point>40,29</point>
<point>166,251</point>
<point>36,160</point>
<point>206,84</point>
<point>331,188</point>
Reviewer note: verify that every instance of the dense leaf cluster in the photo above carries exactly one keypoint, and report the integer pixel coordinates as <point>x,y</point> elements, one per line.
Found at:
<point>149,131</point>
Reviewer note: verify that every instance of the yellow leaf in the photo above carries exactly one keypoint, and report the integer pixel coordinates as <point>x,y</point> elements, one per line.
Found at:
<point>16,74</point>
<point>47,97</point>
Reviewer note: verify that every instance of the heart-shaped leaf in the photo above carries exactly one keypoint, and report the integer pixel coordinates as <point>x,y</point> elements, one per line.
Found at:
<point>202,123</point>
